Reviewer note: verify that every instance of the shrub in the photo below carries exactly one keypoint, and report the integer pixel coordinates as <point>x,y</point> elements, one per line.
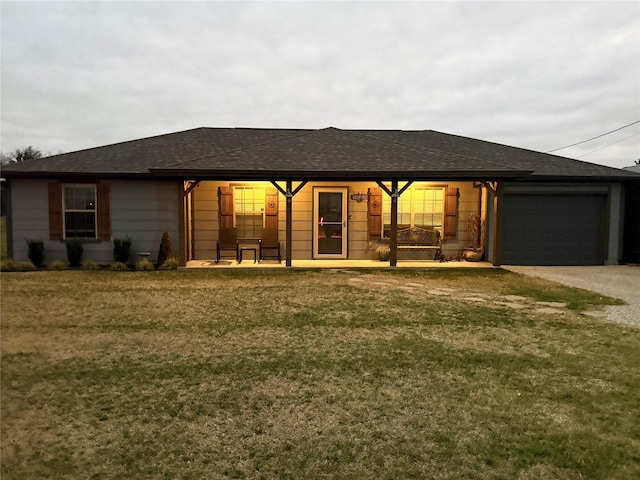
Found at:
<point>36,252</point>
<point>144,265</point>
<point>383,252</point>
<point>12,266</point>
<point>6,265</point>
<point>121,249</point>
<point>166,249</point>
<point>89,265</point>
<point>74,252</point>
<point>119,266</point>
<point>169,264</point>
<point>57,265</point>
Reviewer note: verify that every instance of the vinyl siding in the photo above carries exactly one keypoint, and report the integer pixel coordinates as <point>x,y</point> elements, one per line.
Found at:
<point>139,210</point>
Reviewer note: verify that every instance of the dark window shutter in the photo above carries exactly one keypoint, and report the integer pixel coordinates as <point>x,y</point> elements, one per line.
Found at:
<point>375,212</point>
<point>55,211</point>
<point>103,201</point>
<point>225,198</point>
<point>271,208</point>
<point>450,226</point>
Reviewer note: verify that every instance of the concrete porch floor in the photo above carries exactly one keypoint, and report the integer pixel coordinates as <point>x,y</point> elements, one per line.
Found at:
<point>332,264</point>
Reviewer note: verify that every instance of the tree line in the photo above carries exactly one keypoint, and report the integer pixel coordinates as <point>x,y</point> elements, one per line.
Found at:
<point>21,154</point>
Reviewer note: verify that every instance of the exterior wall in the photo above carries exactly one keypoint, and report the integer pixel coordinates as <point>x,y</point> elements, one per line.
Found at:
<point>143,211</point>
<point>140,210</point>
<point>631,252</point>
<point>206,223</point>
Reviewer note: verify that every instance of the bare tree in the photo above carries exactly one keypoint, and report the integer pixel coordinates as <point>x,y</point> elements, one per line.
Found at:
<point>27,153</point>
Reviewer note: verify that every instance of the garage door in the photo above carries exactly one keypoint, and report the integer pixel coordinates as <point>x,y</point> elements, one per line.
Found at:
<point>553,230</point>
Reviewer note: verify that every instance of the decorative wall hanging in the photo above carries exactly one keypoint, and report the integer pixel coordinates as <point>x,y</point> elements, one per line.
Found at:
<point>359,197</point>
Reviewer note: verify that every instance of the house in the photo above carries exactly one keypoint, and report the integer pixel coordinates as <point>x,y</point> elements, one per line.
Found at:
<point>328,193</point>
<point>631,251</point>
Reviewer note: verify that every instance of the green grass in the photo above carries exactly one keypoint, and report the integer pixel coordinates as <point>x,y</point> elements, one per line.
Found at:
<point>312,374</point>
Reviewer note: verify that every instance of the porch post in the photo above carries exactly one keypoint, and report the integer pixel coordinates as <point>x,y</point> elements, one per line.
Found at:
<point>393,240</point>
<point>182,231</point>
<point>289,241</point>
<point>497,223</point>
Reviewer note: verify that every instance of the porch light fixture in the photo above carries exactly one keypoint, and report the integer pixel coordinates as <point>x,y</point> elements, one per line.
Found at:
<point>359,197</point>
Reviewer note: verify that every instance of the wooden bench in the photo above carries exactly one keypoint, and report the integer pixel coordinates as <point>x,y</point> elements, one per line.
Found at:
<point>416,238</point>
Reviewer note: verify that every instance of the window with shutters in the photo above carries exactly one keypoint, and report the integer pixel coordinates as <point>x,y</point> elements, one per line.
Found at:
<point>249,205</point>
<point>417,207</point>
<point>79,211</point>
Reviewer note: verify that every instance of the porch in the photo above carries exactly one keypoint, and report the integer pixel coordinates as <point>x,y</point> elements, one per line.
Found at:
<point>338,224</point>
<point>335,264</point>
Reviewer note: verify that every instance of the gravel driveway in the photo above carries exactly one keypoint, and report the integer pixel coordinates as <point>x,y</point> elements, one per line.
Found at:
<point>619,281</point>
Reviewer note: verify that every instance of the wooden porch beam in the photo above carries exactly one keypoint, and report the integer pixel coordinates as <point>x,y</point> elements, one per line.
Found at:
<point>289,193</point>
<point>280,189</point>
<point>491,186</point>
<point>289,241</point>
<point>189,186</point>
<point>394,193</point>
<point>497,223</point>
<point>182,231</point>
<point>393,241</point>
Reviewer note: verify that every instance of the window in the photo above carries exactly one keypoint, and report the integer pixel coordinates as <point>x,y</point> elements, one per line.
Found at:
<point>79,211</point>
<point>249,211</point>
<point>417,207</point>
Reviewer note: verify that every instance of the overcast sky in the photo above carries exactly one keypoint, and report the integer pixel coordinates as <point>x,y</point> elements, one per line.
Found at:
<point>538,75</point>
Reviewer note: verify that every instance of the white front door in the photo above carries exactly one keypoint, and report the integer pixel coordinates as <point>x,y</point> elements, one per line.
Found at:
<point>330,222</point>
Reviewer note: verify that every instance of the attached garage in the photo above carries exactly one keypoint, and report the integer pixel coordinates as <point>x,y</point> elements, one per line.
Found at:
<point>553,229</point>
<point>631,253</point>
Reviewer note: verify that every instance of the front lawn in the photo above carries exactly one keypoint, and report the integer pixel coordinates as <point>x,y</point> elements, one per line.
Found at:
<point>297,374</point>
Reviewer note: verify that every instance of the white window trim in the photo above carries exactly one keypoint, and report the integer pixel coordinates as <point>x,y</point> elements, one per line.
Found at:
<point>71,210</point>
<point>410,191</point>
<point>236,213</point>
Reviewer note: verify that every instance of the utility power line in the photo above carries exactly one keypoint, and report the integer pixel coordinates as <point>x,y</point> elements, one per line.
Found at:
<point>608,145</point>
<point>593,138</point>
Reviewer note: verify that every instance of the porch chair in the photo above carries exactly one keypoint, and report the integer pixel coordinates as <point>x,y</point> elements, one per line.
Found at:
<point>228,243</point>
<point>269,242</point>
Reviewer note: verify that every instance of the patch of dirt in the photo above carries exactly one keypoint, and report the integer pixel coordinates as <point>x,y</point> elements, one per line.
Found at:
<point>552,304</point>
<point>550,311</point>
<point>515,302</point>
<point>546,472</point>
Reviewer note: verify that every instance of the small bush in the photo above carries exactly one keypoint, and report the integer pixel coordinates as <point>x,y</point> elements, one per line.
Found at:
<point>144,265</point>
<point>383,252</point>
<point>36,252</point>
<point>22,267</point>
<point>6,265</point>
<point>74,252</point>
<point>121,249</point>
<point>58,265</point>
<point>166,249</point>
<point>89,265</point>
<point>169,264</point>
<point>119,266</point>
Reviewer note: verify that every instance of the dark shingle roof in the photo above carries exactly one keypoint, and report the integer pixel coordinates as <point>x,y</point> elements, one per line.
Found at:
<point>333,152</point>
<point>330,152</point>
<point>138,156</point>
<point>541,164</point>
